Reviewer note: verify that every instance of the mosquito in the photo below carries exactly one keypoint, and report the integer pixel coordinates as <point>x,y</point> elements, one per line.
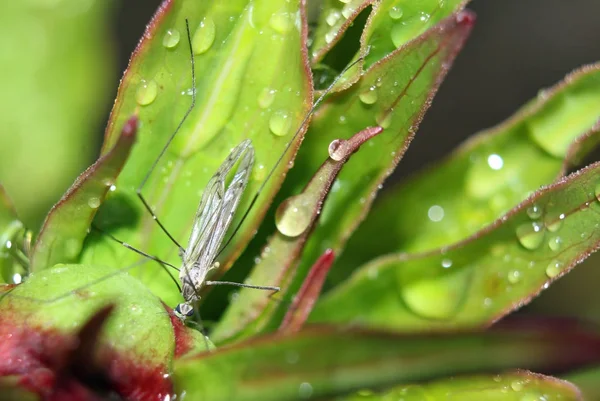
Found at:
<point>215,212</point>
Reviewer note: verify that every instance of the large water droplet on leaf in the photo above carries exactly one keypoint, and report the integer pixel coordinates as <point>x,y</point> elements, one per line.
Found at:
<point>146,93</point>
<point>280,123</point>
<point>396,12</point>
<point>204,36</point>
<point>530,235</point>
<point>294,215</point>
<point>171,38</point>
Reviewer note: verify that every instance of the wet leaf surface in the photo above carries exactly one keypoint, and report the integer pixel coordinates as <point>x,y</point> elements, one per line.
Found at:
<point>239,95</point>
<point>477,281</point>
<point>254,311</point>
<point>302,366</point>
<point>61,238</point>
<point>13,259</point>
<point>484,177</point>
<point>511,386</point>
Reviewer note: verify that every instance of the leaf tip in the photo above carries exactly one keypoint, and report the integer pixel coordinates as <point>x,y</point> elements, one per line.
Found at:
<point>466,18</point>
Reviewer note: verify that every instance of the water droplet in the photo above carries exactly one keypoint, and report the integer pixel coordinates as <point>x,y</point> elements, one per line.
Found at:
<point>534,212</point>
<point>266,97</point>
<point>17,278</point>
<point>94,202</point>
<point>369,96</point>
<point>305,390</point>
<point>435,213</point>
<point>146,92</point>
<point>438,298</point>
<point>514,276</point>
<point>329,36</point>
<point>555,243</point>
<point>204,36</point>
<point>517,385</point>
<point>396,12</point>
<point>348,10</point>
<point>112,188</point>
<point>495,161</point>
<point>259,173</point>
<point>446,263</point>
<point>280,123</point>
<point>530,235</point>
<point>335,150</point>
<point>554,268</point>
<point>171,38</point>
<point>294,215</point>
<point>384,119</point>
<point>333,17</point>
<point>554,223</point>
<point>281,21</point>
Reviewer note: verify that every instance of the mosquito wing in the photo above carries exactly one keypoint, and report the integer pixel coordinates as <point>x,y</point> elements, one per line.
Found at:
<point>215,213</point>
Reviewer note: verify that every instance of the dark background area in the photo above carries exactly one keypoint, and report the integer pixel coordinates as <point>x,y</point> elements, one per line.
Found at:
<point>517,48</point>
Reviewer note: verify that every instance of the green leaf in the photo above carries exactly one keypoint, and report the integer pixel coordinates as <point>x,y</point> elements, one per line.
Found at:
<point>295,217</point>
<point>68,223</point>
<point>14,241</point>
<point>57,72</point>
<point>335,18</point>
<point>475,282</point>
<point>252,81</point>
<point>484,177</point>
<point>325,362</point>
<point>398,90</point>
<point>588,381</point>
<point>510,386</point>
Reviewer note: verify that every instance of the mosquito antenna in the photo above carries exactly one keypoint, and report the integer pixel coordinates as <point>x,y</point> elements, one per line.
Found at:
<point>138,191</point>
<point>308,115</point>
<point>161,262</point>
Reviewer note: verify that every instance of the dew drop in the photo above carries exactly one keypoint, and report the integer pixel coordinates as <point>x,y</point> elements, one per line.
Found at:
<point>17,278</point>
<point>281,21</point>
<point>305,390</point>
<point>555,243</point>
<point>534,212</point>
<point>345,1</point>
<point>435,213</point>
<point>266,97</point>
<point>369,96</point>
<point>204,36</point>
<point>446,263</point>
<point>384,119</point>
<point>554,268</point>
<point>94,202</point>
<point>280,123</point>
<point>171,38</point>
<point>146,93</point>
<point>335,150</point>
<point>259,173</point>
<point>514,276</point>
<point>333,17</point>
<point>438,298</point>
<point>495,161</point>
<point>293,216</point>
<point>396,12</point>
<point>555,223</point>
<point>329,36</point>
<point>517,385</point>
<point>530,235</point>
<point>348,10</point>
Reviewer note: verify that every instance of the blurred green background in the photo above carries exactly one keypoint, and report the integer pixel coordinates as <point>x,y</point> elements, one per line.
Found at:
<point>62,59</point>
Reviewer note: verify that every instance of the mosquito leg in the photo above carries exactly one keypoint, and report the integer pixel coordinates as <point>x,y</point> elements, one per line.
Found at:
<point>163,151</point>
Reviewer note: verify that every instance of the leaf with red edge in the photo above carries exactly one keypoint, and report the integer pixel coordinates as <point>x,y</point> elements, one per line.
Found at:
<point>484,177</point>
<point>322,362</point>
<point>68,223</point>
<point>252,81</point>
<point>510,386</point>
<point>306,297</point>
<point>296,216</point>
<point>477,281</point>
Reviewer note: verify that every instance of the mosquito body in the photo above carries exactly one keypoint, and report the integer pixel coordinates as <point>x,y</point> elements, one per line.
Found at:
<point>213,218</point>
